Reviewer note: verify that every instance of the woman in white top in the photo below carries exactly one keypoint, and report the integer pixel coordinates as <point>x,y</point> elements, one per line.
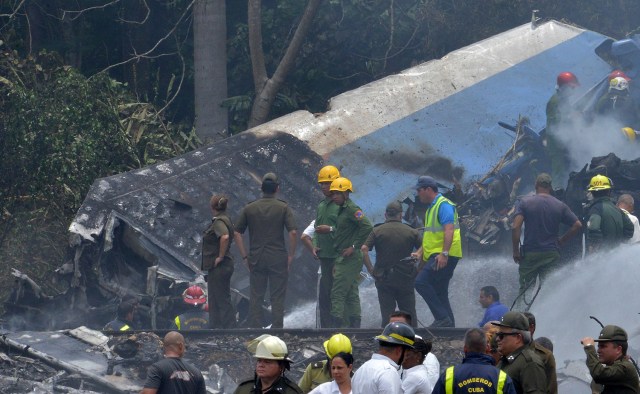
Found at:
<point>341,371</point>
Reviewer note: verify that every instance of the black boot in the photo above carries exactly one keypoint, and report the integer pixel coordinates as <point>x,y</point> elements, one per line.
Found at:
<point>354,322</point>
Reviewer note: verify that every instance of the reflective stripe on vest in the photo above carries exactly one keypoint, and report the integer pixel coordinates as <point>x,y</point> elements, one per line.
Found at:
<point>448,381</point>
<point>177,321</point>
<point>124,328</point>
<point>434,231</point>
<point>502,378</point>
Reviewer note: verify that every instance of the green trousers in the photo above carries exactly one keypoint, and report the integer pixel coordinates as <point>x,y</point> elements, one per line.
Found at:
<point>345,300</point>
<point>533,265</point>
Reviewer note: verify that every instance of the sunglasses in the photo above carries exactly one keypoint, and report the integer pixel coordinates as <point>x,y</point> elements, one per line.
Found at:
<point>501,335</point>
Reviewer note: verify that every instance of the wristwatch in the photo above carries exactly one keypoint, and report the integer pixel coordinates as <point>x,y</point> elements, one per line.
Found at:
<point>445,253</point>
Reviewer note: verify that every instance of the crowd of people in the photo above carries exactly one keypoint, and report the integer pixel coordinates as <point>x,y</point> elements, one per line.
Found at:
<point>502,357</point>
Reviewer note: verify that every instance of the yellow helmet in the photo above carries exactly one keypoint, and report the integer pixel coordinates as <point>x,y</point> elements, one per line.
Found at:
<point>600,182</point>
<point>328,174</point>
<point>341,185</point>
<point>629,133</point>
<point>338,343</point>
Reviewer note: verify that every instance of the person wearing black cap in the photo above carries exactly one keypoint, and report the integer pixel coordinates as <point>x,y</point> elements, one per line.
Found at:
<point>415,377</point>
<point>477,373</point>
<point>542,215</point>
<point>610,366</point>
<point>440,252</point>
<point>393,241</point>
<point>267,261</point>
<point>521,363</point>
<point>380,373</point>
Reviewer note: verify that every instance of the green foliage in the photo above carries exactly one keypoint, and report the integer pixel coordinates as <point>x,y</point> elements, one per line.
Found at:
<point>60,131</point>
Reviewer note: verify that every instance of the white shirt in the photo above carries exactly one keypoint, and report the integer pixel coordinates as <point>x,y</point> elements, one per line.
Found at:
<point>327,388</point>
<point>636,228</point>
<point>433,368</point>
<point>416,380</point>
<point>377,376</point>
<point>310,231</point>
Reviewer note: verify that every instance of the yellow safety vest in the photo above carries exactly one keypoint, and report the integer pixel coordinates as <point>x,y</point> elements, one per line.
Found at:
<point>434,231</point>
<point>448,381</point>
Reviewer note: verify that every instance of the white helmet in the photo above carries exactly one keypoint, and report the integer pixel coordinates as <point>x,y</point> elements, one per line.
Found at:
<point>272,348</point>
<point>618,83</point>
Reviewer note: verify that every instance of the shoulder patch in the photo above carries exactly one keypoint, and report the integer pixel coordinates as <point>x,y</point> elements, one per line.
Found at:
<point>358,214</point>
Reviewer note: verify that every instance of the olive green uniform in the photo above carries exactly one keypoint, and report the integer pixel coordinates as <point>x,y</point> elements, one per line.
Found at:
<point>352,230</point>
<point>266,219</point>
<point>608,226</point>
<point>393,241</point>
<point>549,365</point>
<point>221,311</point>
<point>526,370</point>
<point>314,375</point>
<point>327,214</point>
<point>618,378</point>
<point>281,386</point>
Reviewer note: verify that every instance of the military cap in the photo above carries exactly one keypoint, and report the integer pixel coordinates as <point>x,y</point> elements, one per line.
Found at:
<point>612,333</point>
<point>270,177</point>
<point>394,208</point>
<point>515,320</point>
<point>426,181</point>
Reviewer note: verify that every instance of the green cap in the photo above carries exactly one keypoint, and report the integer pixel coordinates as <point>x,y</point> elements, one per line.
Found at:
<point>612,333</point>
<point>394,208</point>
<point>514,320</point>
<point>270,177</point>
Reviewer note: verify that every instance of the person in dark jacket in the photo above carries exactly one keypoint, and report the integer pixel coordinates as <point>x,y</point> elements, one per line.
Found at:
<point>272,359</point>
<point>123,321</point>
<point>610,366</point>
<point>607,226</point>
<point>477,373</point>
<point>195,318</point>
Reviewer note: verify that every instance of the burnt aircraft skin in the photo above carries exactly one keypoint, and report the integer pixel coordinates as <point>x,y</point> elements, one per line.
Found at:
<point>155,216</point>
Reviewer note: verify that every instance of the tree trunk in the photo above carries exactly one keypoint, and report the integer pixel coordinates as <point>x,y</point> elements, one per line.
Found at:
<point>210,64</point>
<point>267,88</point>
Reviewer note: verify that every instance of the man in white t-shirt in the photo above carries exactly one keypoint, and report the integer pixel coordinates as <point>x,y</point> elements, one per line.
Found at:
<point>626,203</point>
<point>415,378</point>
<point>380,373</point>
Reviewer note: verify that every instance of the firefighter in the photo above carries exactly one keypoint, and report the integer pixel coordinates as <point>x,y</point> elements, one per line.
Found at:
<point>272,359</point>
<point>351,232</point>
<point>320,372</point>
<point>560,114</point>
<point>196,318</point>
<point>618,103</point>
<point>607,225</point>
<point>320,244</point>
<point>123,321</point>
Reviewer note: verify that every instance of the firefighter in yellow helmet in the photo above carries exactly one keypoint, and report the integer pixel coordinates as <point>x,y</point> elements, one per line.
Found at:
<point>320,372</point>
<point>630,134</point>
<point>319,241</point>
<point>607,225</point>
<point>351,232</point>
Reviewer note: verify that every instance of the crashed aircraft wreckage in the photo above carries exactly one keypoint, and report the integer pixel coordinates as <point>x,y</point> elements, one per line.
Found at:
<point>138,233</point>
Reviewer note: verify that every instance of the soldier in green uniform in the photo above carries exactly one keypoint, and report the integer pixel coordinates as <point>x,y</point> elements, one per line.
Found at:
<point>217,261</point>
<point>320,372</point>
<point>523,366</point>
<point>272,359</point>
<point>321,243</point>
<point>545,355</point>
<point>267,261</point>
<point>352,230</point>
<point>393,241</point>
<point>610,366</point>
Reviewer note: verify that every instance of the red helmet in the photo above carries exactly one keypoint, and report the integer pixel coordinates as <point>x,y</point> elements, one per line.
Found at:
<point>194,295</point>
<point>618,73</point>
<point>567,78</point>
